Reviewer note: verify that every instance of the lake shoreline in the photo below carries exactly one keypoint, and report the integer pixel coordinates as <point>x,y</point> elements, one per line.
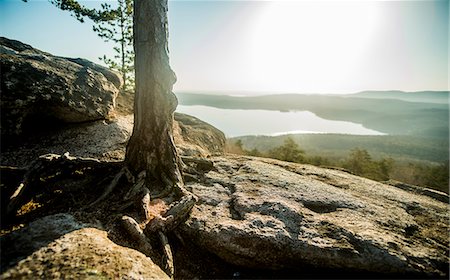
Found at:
<point>242,122</point>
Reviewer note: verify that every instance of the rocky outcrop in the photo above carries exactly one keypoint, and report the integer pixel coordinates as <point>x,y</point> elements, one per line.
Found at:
<point>263,213</point>
<point>194,137</point>
<point>101,139</point>
<point>37,86</point>
<point>107,141</point>
<point>59,246</point>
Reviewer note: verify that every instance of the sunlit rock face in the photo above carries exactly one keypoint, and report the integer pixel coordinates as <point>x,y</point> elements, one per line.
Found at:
<point>194,137</point>
<point>39,89</point>
<point>269,214</point>
<point>59,246</point>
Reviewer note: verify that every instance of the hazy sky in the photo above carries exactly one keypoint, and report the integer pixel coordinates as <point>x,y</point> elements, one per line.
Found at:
<point>265,46</point>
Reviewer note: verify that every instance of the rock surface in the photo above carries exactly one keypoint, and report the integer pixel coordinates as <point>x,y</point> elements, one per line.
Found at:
<point>38,86</point>
<point>59,246</point>
<point>263,213</point>
<point>194,137</point>
<point>107,140</point>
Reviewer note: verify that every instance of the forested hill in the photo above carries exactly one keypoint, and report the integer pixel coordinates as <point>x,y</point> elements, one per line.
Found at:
<point>390,115</point>
<point>441,97</point>
<point>338,146</point>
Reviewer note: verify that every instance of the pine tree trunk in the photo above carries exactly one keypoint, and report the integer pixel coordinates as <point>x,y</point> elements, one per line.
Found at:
<point>122,45</point>
<point>151,147</point>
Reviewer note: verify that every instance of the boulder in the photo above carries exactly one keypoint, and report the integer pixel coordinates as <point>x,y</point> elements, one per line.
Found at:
<point>39,89</point>
<point>262,213</point>
<point>194,137</point>
<point>60,247</point>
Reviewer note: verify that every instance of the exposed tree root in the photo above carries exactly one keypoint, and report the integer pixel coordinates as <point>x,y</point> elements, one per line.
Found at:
<point>194,168</point>
<point>177,214</point>
<point>137,186</point>
<point>137,235</point>
<point>145,202</point>
<point>157,216</point>
<point>168,256</point>
<point>45,169</point>
<point>110,187</point>
<point>17,198</point>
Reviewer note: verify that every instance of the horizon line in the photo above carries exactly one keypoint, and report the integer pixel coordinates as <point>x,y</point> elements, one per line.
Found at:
<point>303,93</point>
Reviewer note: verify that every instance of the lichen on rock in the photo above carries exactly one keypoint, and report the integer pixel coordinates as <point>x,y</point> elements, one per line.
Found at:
<point>37,86</point>
<point>263,213</point>
<point>60,246</point>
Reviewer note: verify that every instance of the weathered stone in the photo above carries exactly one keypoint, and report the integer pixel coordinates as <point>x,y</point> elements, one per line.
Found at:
<point>107,141</point>
<point>263,213</point>
<point>36,85</point>
<point>60,247</point>
<point>195,137</point>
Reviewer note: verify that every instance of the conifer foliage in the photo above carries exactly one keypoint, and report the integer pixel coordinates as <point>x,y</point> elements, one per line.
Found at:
<point>112,25</point>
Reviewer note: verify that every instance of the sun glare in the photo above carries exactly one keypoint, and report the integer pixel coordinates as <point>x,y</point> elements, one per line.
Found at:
<point>310,45</point>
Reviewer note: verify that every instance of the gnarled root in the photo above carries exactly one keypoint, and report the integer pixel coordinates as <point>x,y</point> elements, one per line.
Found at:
<point>145,202</point>
<point>143,243</point>
<point>157,220</point>
<point>45,169</point>
<point>168,256</point>
<point>176,215</point>
<point>194,167</point>
<point>18,197</point>
<point>137,235</point>
<point>111,186</point>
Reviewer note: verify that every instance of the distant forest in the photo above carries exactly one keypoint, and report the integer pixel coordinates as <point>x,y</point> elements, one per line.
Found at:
<point>413,160</point>
<point>335,146</point>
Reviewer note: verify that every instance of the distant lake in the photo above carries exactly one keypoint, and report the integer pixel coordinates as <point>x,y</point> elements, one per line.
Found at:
<point>237,122</point>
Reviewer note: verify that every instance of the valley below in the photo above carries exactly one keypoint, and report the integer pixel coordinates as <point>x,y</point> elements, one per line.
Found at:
<point>408,129</point>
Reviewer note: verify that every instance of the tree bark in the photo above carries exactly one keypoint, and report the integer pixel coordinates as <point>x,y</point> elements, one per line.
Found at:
<point>151,147</point>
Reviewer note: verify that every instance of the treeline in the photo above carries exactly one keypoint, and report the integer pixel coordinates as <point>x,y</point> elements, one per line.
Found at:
<point>399,147</point>
<point>359,162</point>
